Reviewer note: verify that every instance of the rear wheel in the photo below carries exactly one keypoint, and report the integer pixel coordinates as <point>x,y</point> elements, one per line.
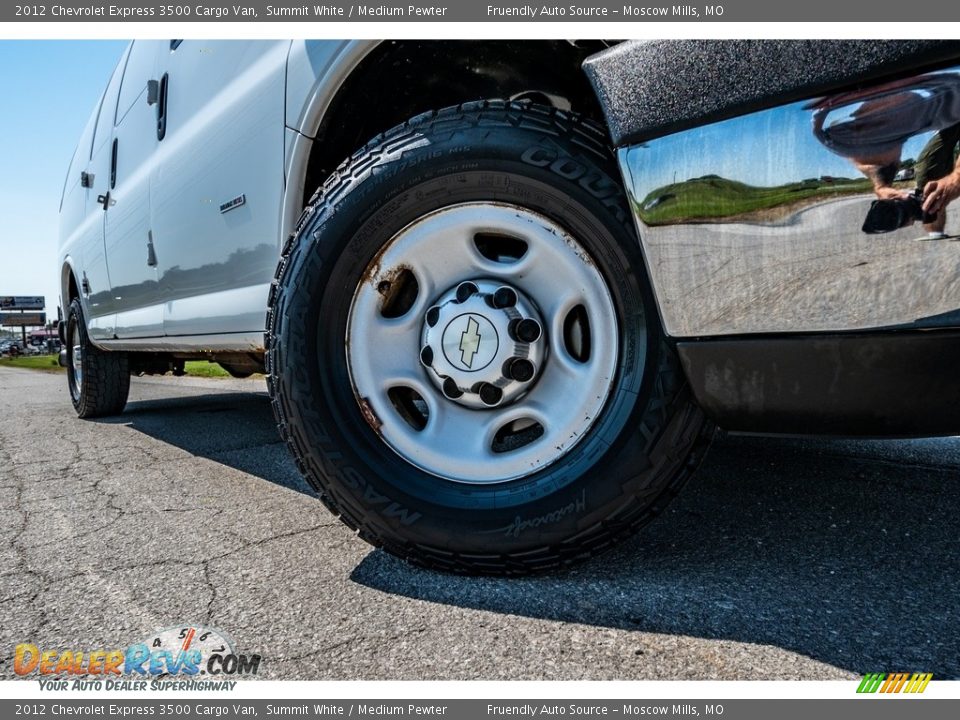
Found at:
<point>463,351</point>
<point>99,381</point>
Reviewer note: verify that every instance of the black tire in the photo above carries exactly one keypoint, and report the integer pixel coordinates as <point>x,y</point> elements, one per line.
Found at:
<point>105,376</point>
<point>636,456</point>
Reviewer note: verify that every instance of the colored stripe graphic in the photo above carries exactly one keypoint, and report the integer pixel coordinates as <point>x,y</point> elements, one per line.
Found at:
<point>870,682</point>
<point>918,683</point>
<point>894,682</point>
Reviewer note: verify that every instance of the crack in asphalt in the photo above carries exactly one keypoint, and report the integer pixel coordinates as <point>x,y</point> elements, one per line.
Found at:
<point>21,566</point>
<point>90,466</point>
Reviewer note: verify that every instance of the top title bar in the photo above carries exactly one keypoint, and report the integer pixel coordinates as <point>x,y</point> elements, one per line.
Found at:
<point>479,11</point>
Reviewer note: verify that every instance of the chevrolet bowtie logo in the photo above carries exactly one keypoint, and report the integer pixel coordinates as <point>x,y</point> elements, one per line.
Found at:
<point>470,342</point>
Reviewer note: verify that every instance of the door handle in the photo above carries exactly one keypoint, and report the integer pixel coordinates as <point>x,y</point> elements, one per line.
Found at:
<point>153,92</point>
<point>113,164</point>
<point>162,107</point>
<point>151,251</point>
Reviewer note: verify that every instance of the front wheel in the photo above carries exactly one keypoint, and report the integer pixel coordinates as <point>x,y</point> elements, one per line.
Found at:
<point>463,350</point>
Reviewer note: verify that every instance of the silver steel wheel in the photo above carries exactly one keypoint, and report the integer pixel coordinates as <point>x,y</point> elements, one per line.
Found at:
<point>76,359</point>
<point>482,342</point>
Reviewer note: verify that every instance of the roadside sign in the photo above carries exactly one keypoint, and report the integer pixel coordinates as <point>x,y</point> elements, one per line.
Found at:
<point>25,319</point>
<point>22,302</point>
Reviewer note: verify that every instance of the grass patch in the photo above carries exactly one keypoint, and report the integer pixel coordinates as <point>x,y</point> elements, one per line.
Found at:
<point>33,362</point>
<point>712,198</point>
<point>202,368</point>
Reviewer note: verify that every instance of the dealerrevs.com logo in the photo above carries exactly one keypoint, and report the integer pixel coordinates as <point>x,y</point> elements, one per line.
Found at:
<point>175,658</point>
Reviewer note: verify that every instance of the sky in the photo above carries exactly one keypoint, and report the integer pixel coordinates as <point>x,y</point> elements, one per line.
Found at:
<point>47,91</point>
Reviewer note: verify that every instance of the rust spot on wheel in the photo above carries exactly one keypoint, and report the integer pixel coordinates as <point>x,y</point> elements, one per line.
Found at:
<point>369,415</point>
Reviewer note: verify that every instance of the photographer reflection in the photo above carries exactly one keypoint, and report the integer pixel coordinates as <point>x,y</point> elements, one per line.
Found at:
<point>938,176</point>
<point>870,130</point>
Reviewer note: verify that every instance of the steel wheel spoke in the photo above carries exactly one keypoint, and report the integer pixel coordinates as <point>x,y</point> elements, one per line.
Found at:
<point>461,431</point>
<point>452,255</point>
<point>388,354</point>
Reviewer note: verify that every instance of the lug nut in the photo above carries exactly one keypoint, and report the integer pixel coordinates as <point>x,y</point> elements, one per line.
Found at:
<point>433,316</point>
<point>465,290</point>
<point>451,390</point>
<point>527,331</point>
<point>504,297</point>
<point>426,356</point>
<point>490,394</point>
<point>520,369</point>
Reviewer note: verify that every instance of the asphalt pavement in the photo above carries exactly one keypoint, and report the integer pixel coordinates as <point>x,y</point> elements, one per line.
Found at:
<point>784,559</point>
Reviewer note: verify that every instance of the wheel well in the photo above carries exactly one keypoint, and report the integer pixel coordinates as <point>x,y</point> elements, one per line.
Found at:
<point>72,290</point>
<point>401,79</point>
<point>68,284</point>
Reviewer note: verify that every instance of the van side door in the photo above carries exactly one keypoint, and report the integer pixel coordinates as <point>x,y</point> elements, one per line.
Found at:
<point>218,183</point>
<point>128,234</point>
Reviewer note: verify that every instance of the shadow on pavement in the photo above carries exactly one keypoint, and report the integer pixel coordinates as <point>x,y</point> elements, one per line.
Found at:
<point>235,429</point>
<point>842,551</point>
<point>845,552</point>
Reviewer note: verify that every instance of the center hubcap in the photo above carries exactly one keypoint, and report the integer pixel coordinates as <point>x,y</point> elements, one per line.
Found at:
<point>470,342</point>
<point>482,343</point>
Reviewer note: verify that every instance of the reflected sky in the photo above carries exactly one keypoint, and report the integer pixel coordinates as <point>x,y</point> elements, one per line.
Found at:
<point>764,149</point>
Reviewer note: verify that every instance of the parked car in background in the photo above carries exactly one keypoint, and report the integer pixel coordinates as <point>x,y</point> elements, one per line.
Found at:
<point>504,292</point>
